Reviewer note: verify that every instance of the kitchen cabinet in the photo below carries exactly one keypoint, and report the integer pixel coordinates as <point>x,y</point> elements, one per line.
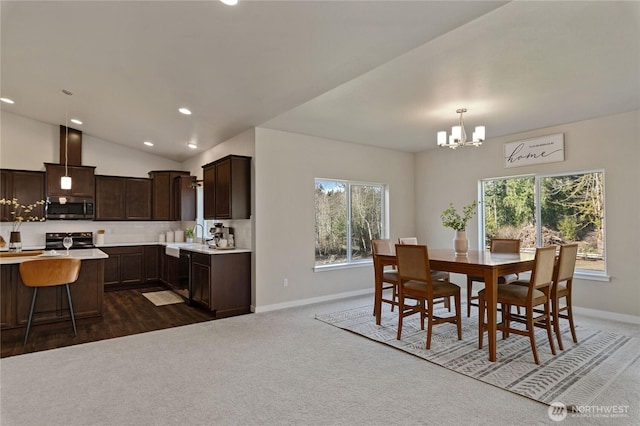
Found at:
<point>151,263</point>
<point>123,198</point>
<point>171,200</point>
<point>51,305</point>
<point>27,186</point>
<point>124,267</point>
<point>82,181</point>
<point>169,270</point>
<point>222,282</point>
<point>227,188</point>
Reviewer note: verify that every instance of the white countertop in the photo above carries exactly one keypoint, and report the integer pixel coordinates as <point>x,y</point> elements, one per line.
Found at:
<point>82,254</point>
<point>205,249</point>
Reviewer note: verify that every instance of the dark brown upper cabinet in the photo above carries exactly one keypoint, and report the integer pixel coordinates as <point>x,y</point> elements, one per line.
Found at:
<point>82,181</point>
<point>123,198</point>
<point>173,195</point>
<point>227,188</point>
<point>26,186</point>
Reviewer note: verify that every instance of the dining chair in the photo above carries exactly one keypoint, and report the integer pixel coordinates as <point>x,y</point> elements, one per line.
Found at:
<point>497,245</point>
<point>389,276</point>
<point>435,275</point>
<point>48,273</point>
<point>528,295</point>
<point>562,283</point>
<point>414,280</point>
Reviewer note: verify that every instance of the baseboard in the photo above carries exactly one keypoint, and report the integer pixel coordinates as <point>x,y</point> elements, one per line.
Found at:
<point>303,302</point>
<point>613,316</point>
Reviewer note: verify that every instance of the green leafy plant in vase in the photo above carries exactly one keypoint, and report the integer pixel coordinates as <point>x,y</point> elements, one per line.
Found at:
<point>189,233</point>
<point>458,222</point>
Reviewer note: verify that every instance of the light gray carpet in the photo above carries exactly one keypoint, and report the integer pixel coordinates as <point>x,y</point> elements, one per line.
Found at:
<point>574,376</point>
<point>274,368</point>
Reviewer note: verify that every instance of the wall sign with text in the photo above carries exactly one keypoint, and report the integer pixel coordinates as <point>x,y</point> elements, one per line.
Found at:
<point>545,149</point>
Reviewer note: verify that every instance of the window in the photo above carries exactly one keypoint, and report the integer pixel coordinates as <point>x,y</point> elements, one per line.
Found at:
<point>348,216</point>
<point>542,210</point>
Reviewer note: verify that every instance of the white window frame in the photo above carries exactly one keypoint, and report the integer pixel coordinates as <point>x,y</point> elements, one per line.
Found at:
<point>385,226</point>
<point>579,273</point>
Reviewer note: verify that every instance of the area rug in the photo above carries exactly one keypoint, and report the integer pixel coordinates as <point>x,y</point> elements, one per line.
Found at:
<point>575,376</point>
<point>161,298</point>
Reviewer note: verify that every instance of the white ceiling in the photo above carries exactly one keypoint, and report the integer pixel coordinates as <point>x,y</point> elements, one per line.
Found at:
<point>382,73</point>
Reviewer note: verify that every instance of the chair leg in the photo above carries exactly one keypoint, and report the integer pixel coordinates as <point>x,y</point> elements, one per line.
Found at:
<point>458,316</point>
<point>570,317</point>
<point>400,315</point>
<point>555,304</point>
<point>33,304</point>
<point>394,297</point>
<point>429,322</point>
<point>547,321</point>
<point>469,290</point>
<point>480,321</point>
<point>73,318</point>
<point>532,337</point>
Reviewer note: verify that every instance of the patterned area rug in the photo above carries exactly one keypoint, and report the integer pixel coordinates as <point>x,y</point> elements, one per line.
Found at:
<point>574,376</point>
<point>160,298</point>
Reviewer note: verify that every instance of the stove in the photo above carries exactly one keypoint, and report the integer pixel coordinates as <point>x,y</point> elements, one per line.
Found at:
<point>81,240</point>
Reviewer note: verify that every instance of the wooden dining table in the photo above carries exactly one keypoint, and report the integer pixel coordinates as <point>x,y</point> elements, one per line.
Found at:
<point>476,263</point>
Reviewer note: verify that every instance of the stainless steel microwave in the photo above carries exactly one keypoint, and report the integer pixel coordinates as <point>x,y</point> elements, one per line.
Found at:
<point>69,208</point>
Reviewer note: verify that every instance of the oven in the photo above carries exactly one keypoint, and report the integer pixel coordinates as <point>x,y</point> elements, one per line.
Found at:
<point>81,240</point>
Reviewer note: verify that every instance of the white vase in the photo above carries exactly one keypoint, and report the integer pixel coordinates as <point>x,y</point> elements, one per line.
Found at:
<point>461,243</point>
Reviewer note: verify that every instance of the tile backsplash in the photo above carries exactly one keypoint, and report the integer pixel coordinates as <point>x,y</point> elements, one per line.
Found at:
<point>33,233</point>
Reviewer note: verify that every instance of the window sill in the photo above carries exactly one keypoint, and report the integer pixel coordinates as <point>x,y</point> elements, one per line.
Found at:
<point>591,276</point>
<point>337,266</point>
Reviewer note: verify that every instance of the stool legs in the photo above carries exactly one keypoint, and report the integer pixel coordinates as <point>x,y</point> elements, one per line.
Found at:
<point>73,318</point>
<point>33,304</point>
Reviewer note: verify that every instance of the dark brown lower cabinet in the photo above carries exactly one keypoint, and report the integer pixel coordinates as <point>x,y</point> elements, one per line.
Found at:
<point>51,305</point>
<point>125,266</point>
<point>222,282</point>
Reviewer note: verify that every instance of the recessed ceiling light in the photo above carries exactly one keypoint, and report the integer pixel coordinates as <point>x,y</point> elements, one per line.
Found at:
<point>185,111</point>
<point>192,145</point>
<point>75,120</point>
<point>147,143</point>
<point>7,101</point>
<point>230,2</point>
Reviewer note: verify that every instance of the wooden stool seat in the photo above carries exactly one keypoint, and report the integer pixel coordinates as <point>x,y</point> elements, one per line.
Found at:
<point>48,273</point>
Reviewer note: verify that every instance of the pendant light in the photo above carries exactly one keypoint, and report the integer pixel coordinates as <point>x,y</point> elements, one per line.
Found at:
<point>65,181</point>
<point>458,137</point>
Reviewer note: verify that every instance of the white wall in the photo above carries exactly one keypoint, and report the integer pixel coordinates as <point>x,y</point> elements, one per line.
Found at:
<point>285,168</point>
<point>27,144</point>
<point>611,143</point>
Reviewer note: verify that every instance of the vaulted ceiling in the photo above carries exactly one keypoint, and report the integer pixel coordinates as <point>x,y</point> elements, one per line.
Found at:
<point>382,73</point>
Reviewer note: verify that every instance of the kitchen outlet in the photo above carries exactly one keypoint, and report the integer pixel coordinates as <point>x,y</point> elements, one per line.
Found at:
<point>286,282</point>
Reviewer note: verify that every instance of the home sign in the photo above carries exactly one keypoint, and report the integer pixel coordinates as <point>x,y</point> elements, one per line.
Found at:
<point>545,149</point>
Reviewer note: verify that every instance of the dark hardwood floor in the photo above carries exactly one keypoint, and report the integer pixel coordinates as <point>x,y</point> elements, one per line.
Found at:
<point>125,312</point>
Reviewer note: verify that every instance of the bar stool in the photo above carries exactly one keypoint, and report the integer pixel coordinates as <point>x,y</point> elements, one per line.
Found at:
<point>48,273</point>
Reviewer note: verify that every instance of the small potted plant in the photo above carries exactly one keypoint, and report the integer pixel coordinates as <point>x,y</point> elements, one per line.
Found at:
<point>452,219</point>
<point>189,234</point>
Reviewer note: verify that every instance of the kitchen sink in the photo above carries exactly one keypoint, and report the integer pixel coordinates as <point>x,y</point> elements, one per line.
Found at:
<point>172,251</point>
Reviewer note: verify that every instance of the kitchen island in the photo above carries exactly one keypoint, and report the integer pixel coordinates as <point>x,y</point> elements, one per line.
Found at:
<point>52,306</point>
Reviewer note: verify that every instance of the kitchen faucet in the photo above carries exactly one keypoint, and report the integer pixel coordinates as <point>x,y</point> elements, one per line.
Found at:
<point>195,228</point>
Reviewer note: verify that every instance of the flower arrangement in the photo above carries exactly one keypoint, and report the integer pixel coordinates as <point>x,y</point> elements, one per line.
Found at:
<point>452,219</point>
<point>21,213</point>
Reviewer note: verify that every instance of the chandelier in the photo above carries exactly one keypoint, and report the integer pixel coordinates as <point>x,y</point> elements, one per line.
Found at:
<point>458,137</point>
